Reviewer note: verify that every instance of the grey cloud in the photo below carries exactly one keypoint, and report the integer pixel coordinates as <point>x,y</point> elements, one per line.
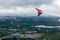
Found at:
<point>23,2</point>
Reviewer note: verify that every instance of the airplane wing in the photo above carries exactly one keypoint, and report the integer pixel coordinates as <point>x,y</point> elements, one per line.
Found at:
<point>39,11</point>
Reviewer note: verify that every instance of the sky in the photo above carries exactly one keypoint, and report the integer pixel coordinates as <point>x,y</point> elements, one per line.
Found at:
<point>27,7</point>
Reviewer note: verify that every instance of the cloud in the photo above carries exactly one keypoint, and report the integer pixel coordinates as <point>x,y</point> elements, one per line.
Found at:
<point>57,3</point>
<point>23,2</point>
<point>18,11</point>
<point>52,9</point>
<point>24,7</point>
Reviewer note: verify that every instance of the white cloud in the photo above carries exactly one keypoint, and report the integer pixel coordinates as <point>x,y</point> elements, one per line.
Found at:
<point>52,9</point>
<point>23,2</point>
<point>43,26</point>
<point>18,10</point>
<point>57,2</point>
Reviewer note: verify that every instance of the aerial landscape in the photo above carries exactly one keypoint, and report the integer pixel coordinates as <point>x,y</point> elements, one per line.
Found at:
<point>29,19</point>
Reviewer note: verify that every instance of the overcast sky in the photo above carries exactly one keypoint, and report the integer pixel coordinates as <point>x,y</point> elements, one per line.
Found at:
<point>27,7</point>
